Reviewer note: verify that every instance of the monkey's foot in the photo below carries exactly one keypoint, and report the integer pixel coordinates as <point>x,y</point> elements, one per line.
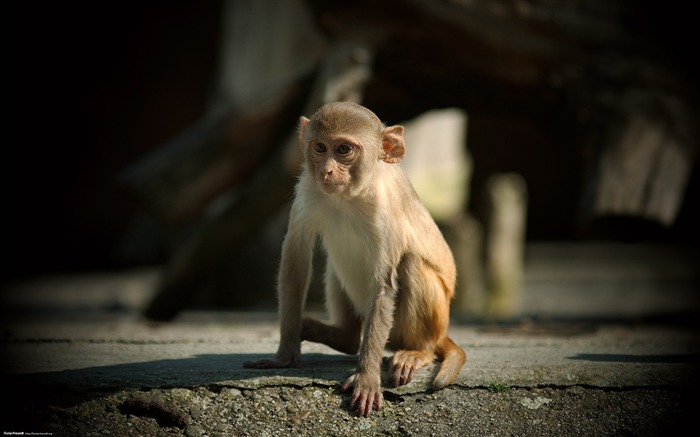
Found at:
<point>405,364</point>
<point>345,340</point>
<point>366,393</point>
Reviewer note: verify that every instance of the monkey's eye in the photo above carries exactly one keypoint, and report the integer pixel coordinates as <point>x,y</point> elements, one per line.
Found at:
<point>344,149</point>
<point>319,147</point>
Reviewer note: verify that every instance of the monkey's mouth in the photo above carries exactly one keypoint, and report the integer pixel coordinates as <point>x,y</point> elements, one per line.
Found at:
<point>330,187</point>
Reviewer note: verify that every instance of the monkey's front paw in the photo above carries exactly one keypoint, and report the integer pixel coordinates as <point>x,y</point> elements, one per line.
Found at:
<point>366,393</point>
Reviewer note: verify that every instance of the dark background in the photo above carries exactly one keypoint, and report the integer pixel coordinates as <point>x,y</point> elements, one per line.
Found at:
<point>91,87</point>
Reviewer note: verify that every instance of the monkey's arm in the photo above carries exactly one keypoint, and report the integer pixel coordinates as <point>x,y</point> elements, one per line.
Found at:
<point>293,284</point>
<point>366,382</point>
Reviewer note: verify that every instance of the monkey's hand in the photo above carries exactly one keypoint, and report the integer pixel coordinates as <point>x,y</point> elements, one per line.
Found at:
<point>366,393</point>
<point>281,361</point>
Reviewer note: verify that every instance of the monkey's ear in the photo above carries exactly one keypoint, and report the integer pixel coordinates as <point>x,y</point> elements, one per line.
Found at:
<point>393,148</point>
<point>303,122</point>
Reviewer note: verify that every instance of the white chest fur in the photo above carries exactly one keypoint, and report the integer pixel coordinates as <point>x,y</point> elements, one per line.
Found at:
<point>348,241</point>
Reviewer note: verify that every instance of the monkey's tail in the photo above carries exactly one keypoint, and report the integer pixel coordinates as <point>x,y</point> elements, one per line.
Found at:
<point>453,358</point>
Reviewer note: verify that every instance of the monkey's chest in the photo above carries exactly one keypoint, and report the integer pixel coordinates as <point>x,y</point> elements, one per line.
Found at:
<point>354,257</point>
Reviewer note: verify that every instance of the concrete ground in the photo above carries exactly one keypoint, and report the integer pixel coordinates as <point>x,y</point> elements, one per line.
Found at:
<point>608,350</point>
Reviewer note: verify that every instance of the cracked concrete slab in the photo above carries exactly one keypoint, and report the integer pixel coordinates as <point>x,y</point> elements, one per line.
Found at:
<point>208,349</point>
<point>598,355</point>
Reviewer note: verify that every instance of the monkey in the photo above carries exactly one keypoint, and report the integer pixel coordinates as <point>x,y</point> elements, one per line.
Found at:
<point>389,275</point>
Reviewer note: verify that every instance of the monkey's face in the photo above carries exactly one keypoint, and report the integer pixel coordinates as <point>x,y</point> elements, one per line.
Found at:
<point>342,144</point>
<point>332,160</point>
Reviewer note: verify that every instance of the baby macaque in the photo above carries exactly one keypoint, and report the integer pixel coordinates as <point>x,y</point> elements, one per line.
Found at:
<point>389,275</point>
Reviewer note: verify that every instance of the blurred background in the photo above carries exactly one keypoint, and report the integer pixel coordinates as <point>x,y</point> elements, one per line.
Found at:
<point>556,143</point>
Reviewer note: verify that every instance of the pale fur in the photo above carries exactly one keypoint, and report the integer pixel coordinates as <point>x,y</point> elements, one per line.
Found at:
<point>389,269</point>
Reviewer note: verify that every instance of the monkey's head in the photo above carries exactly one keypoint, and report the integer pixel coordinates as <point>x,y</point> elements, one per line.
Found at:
<point>344,144</point>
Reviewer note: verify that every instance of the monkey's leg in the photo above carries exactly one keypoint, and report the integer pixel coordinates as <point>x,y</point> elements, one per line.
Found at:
<point>422,316</point>
<point>344,333</point>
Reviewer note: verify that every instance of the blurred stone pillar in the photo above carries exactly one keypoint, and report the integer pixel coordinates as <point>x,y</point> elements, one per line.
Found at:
<point>505,240</point>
